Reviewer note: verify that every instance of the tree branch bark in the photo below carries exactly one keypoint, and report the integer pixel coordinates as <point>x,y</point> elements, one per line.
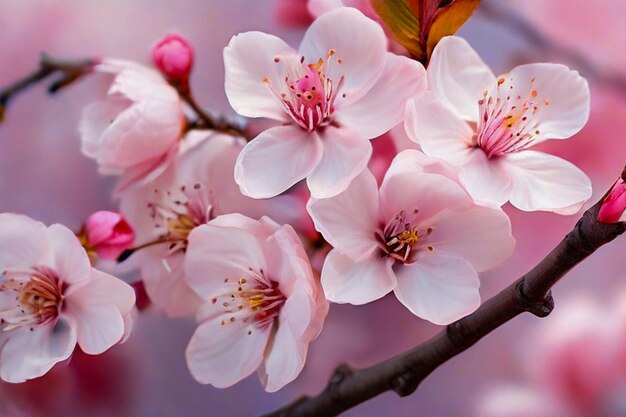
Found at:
<point>403,373</point>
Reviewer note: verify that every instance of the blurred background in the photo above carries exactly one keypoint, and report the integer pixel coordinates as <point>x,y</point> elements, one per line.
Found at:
<point>44,175</point>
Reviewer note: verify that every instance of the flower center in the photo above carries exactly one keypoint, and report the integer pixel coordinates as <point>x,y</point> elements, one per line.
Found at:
<point>399,238</point>
<point>254,298</point>
<point>508,122</point>
<point>179,216</point>
<point>38,297</point>
<point>309,90</point>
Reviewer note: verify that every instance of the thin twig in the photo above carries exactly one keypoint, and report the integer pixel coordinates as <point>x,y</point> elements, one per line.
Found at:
<point>206,121</point>
<point>403,373</point>
<point>513,21</point>
<point>70,70</point>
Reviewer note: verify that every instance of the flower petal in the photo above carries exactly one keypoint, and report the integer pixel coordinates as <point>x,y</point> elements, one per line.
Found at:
<point>275,160</point>
<point>222,355</point>
<point>485,179</point>
<point>360,45</point>
<point>481,235</point>
<point>23,242</point>
<point>458,76</point>
<point>216,253</point>
<point>349,221</point>
<point>346,281</point>
<point>248,61</point>
<point>546,182</point>
<point>562,98</point>
<point>440,132</point>
<point>346,155</point>
<point>412,160</point>
<point>382,107</point>
<point>30,354</point>
<point>70,259</point>
<point>439,287</point>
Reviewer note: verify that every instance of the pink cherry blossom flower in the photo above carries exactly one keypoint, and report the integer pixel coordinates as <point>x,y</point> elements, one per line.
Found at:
<point>262,304</point>
<point>195,189</point>
<point>136,129</point>
<point>486,126</point>
<point>173,56</point>
<point>51,298</point>
<point>340,89</point>
<point>107,234</point>
<point>614,204</point>
<point>420,235</point>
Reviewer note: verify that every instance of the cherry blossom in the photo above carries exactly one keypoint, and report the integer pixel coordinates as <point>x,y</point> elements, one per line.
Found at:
<point>51,298</point>
<point>340,89</point>
<point>191,192</point>
<point>262,304</point>
<point>486,126</point>
<point>420,235</point>
<point>136,129</point>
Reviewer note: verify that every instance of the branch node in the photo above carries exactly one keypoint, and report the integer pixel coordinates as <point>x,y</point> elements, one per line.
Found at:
<point>342,373</point>
<point>405,383</point>
<point>540,308</point>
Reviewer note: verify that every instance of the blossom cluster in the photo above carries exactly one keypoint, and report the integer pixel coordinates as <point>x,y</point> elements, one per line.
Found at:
<point>254,236</point>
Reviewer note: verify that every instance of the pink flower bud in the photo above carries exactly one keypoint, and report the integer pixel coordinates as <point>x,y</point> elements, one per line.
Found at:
<point>108,234</point>
<point>614,204</point>
<point>173,56</point>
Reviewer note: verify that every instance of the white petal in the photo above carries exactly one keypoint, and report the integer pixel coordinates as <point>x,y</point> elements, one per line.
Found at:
<point>382,108</point>
<point>99,327</point>
<point>439,287</point>
<point>345,156</point>
<point>349,220</point>
<point>358,42</point>
<point>70,259</point>
<point>420,195</point>
<point>486,180</point>
<point>222,355</point>
<point>101,289</point>
<point>346,281</point>
<point>217,253</point>
<point>458,76</point>
<point>545,182</point>
<point>562,98</point>
<point>440,132</point>
<point>481,235</point>
<point>30,354</point>
<point>275,160</point>
<point>23,242</point>
<point>248,61</point>
<point>412,160</point>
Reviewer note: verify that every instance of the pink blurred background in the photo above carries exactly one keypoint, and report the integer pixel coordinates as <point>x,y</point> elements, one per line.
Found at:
<point>44,175</point>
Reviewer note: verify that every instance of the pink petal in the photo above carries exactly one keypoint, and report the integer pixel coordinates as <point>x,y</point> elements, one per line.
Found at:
<point>222,355</point>
<point>23,242</point>
<point>382,107</point>
<point>349,220</point>
<point>545,182</point>
<point>30,354</point>
<point>165,283</point>
<point>481,235</point>
<point>217,253</point>
<point>439,287</point>
<point>346,155</point>
<point>248,60</point>
<point>458,77</point>
<point>562,96</point>
<point>440,132</point>
<point>70,259</point>
<point>487,180</point>
<point>347,281</point>
<point>102,289</point>
<point>412,160</point>
<point>420,195</point>
<point>358,42</point>
<point>275,160</point>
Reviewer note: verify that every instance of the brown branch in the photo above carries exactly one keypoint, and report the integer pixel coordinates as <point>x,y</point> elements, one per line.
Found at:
<point>205,120</point>
<point>403,373</point>
<point>70,70</point>
<point>495,11</point>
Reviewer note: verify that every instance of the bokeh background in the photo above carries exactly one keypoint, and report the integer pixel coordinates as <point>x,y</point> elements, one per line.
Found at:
<point>44,175</point>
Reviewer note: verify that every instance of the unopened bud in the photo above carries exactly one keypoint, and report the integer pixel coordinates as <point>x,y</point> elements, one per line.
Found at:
<point>614,204</point>
<point>107,234</point>
<point>173,56</point>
